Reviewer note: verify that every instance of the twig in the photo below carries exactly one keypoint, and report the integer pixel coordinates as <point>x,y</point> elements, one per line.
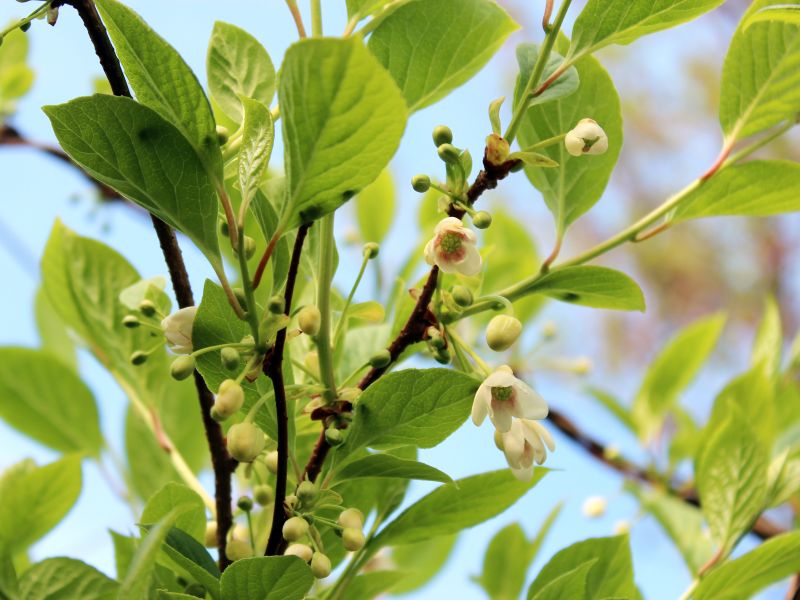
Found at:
<point>223,465</point>
<point>273,368</point>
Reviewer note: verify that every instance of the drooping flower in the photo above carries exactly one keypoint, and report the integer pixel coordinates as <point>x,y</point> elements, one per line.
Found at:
<point>177,329</point>
<point>453,249</point>
<point>502,396</point>
<point>586,138</point>
<point>524,444</point>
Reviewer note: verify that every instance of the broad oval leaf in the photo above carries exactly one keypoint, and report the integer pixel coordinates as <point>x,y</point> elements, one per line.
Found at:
<point>56,578</point>
<point>789,13</point>
<point>46,400</point>
<point>565,85</point>
<point>258,133</point>
<point>192,519</point>
<point>431,48</point>
<point>506,562</point>
<point>387,466</point>
<point>267,578</point>
<point>343,118</point>
<point>570,584</point>
<point>375,208</point>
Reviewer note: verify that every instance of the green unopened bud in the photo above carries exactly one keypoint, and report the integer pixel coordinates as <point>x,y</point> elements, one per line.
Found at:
<point>371,250</point>
<point>130,322</point>
<point>138,358</point>
<point>272,462</point>
<point>442,356</point>
<point>353,540</point>
<point>333,436</point>
<point>263,494</point>
<point>309,319</point>
<point>210,537</point>
<point>502,332</point>
<point>147,308</point>
<point>241,298</point>
<point>462,296</point>
<point>276,305</point>
<point>195,590</point>
<point>448,153</point>
<point>245,503</point>
<point>237,550</point>
<point>295,529</point>
<point>216,416</point>
<point>307,492</point>
<point>245,442</point>
<point>222,134</point>
<point>352,518</point>
<point>421,183</point>
<point>230,398</point>
<point>381,359</point>
<point>249,247</point>
<point>482,219</point>
<point>349,394</point>
<point>230,358</point>
<point>291,501</point>
<point>442,134</point>
<point>182,367</point>
<point>320,565</point>
<point>302,550</point>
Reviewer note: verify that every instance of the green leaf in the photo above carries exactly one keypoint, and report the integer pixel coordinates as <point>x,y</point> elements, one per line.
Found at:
<point>386,466</point>
<point>604,22</point>
<point>421,562</point>
<point>751,398</point>
<point>134,150</point>
<point>52,331</point>
<point>578,183</point>
<point>597,287</point>
<point>47,401</point>
<point>57,578</point>
<point>566,84</point>
<point>571,584</point>
<point>672,371</point>
<point>257,137</point>
<point>788,13</point>
<point>373,584</point>
<point>192,519</point>
<point>419,407</point>
<point>768,344</point>
<point>190,555</point>
<point>267,578</point>
<point>732,481</point>
<point>614,406</point>
<point>457,506</point>
<point>375,208</point>
<point>759,188</point>
<point>505,563</point>
<point>163,81</point>
<point>761,76</point>
<point>431,48</point>
<point>784,476</point>
<point>345,118</point>
<point>9,586</point>
<point>773,560</point>
<point>267,219</point>
<point>16,77</point>
<point>364,8</point>
<point>238,66</point>
<point>36,499</point>
<point>611,576</point>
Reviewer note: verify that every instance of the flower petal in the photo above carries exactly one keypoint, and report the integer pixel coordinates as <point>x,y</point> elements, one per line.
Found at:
<point>471,263</point>
<point>480,405</point>
<point>530,404</point>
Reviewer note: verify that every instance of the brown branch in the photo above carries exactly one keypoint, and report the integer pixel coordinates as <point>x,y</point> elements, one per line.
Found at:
<point>273,368</point>
<point>223,465</point>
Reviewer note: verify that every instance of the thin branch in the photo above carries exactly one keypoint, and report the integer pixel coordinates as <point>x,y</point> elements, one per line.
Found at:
<point>273,368</point>
<point>223,465</point>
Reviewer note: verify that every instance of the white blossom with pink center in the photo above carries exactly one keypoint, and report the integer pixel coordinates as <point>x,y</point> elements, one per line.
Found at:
<point>452,248</point>
<point>502,396</point>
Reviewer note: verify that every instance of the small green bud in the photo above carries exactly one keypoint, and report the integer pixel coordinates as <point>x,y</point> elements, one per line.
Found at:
<point>263,494</point>
<point>333,436</point>
<point>240,297</point>
<point>245,442</point>
<point>230,398</point>
<point>249,247</point>
<point>276,305</point>
<point>309,319</point>
<point>295,529</point>
<point>147,308</point>
<point>442,134</point>
<point>210,538</point>
<point>272,462</point>
<point>223,228</point>
<point>25,26</point>
<point>320,565</point>
<point>435,338</point>
<point>352,518</point>
<point>130,321</point>
<point>502,332</point>
<point>448,153</point>
<point>482,219</point>
<point>216,415</point>
<point>182,367</point>
<point>307,492</point>
<point>304,551</point>
<point>245,503</point>
<point>230,358</point>
<point>195,589</point>
<point>442,356</point>
<point>222,134</point>
<point>371,250</point>
<point>353,539</point>
<point>138,358</point>
<point>237,549</point>
<point>381,359</point>
<point>462,296</point>
<point>421,183</point>
<point>290,501</point>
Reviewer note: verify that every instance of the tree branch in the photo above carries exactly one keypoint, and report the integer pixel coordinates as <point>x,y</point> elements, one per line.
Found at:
<point>223,465</point>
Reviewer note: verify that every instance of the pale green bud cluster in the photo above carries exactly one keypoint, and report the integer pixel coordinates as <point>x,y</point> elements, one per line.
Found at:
<point>229,401</point>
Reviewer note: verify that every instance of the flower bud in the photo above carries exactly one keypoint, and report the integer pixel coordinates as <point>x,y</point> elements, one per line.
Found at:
<point>442,134</point>
<point>380,359</point>
<point>421,183</point>
<point>349,394</point>
<point>586,138</point>
<point>272,462</point>
<point>230,399</point>
<point>435,338</point>
<point>182,367</point>
<point>230,358</point>
<point>295,529</point>
<point>249,247</point>
<point>497,150</point>
<point>594,507</point>
<point>448,153</point>
<point>309,319</point>
<point>371,250</point>
<point>210,537</point>
<point>482,219</point>
<point>290,502</point>
<point>307,492</point>
<point>320,565</point>
<point>502,332</point>
<point>353,539</point>
<point>245,442</point>
<point>333,436</point>
<point>138,358</point>
<point>177,329</point>
<point>237,549</point>
<point>263,494</point>
<point>351,518</point>
<point>147,308</point>
<point>222,134</point>
<point>130,321</point>
<point>462,296</point>
<point>276,305</point>
<point>302,550</point>
<point>245,503</point>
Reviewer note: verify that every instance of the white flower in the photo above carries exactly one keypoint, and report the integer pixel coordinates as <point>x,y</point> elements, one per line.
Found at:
<point>503,396</point>
<point>586,138</point>
<point>178,330</point>
<point>594,507</point>
<point>453,248</point>
<point>524,444</point>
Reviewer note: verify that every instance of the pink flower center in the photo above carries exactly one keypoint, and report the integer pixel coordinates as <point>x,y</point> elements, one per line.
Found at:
<point>450,245</point>
<point>502,394</point>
